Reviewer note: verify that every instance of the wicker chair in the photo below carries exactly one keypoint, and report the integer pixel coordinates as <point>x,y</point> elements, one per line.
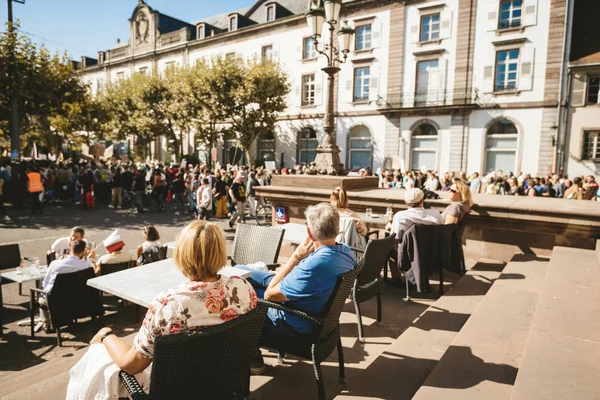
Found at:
<point>69,299</point>
<point>368,283</point>
<point>319,346</point>
<point>10,258</point>
<point>253,243</point>
<point>210,363</point>
<point>154,255</point>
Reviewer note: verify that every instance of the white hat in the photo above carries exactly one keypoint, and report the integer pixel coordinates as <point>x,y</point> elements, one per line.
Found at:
<point>114,242</point>
<point>413,196</point>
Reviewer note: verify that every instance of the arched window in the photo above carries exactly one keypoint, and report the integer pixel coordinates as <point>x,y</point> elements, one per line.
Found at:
<point>266,147</point>
<point>424,146</point>
<point>307,145</point>
<point>501,146</point>
<point>361,148</point>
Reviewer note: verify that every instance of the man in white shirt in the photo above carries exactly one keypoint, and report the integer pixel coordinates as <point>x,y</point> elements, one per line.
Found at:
<point>62,245</point>
<point>72,263</point>
<point>415,215</point>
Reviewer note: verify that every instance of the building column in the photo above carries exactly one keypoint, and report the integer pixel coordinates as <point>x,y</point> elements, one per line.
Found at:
<point>392,141</point>
<point>459,138</point>
<point>465,47</point>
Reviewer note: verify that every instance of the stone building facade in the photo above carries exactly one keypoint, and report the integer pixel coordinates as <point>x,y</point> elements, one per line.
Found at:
<point>442,85</point>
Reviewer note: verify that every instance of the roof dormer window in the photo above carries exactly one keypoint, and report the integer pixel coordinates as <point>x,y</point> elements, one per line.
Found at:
<point>201,33</point>
<point>270,13</point>
<point>232,23</point>
<point>101,57</point>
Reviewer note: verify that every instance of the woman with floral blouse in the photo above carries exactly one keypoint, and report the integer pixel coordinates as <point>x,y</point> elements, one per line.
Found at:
<point>207,299</point>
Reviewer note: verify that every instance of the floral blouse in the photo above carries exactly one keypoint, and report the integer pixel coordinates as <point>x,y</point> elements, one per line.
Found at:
<point>194,304</point>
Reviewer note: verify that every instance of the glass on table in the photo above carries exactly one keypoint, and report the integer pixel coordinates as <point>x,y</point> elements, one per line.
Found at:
<point>389,213</point>
<point>369,212</point>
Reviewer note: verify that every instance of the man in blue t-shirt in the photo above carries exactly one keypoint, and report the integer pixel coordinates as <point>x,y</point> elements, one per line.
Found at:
<point>307,281</point>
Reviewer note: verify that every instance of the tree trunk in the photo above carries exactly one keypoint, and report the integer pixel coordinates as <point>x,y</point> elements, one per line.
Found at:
<point>249,158</point>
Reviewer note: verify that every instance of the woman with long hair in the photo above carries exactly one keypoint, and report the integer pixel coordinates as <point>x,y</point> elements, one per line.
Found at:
<point>339,201</point>
<point>461,203</point>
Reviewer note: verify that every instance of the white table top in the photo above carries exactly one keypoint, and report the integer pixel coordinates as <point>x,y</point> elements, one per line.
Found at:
<point>379,221</point>
<point>22,278</point>
<point>170,245</point>
<point>142,284</point>
<point>294,233</point>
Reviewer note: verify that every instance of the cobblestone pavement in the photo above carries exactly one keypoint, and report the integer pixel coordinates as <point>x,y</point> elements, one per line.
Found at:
<point>35,234</point>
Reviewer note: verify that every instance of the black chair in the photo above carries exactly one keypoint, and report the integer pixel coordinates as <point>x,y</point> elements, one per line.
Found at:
<point>107,269</point>
<point>368,283</point>
<point>154,255</point>
<point>69,299</point>
<point>319,346</point>
<point>254,243</point>
<point>10,258</point>
<point>208,363</point>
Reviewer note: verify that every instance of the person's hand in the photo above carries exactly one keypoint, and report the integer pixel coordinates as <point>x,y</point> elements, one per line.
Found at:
<point>92,255</point>
<point>97,336</point>
<point>388,226</point>
<point>234,201</point>
<point>306,248</point>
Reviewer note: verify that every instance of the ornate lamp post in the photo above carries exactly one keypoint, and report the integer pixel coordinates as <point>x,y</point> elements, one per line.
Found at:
<point>328,153</point>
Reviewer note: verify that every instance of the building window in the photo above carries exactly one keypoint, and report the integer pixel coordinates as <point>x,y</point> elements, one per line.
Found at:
<point>120,76</point>
<point>424,146</point>
<point>308,90</point>
<point>267,53</point>
<point>591,147</point>
<point>232,24</point>
<point>363,38</point>
<point>507,63</point>
<point>430,27</point>
<point>230,56</point>
<point>201,31</point>
<point>307,143</point>
<point>308,49</point>
<point>501,146</point>
<point>361,148</point>
<point>266,147</point>
<point>361,83</point>
<point>270,13</point>
<point>427,82</point>
<point>100,86</point>
<point>510,14</point>
<point>593,90</point>
<point>143,71</point>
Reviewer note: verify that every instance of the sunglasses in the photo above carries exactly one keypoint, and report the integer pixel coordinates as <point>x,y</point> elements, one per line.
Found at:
<point>453,191</point>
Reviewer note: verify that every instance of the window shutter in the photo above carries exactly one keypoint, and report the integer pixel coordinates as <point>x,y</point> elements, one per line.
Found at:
<point>407,97</point>
<point>492,16</point>
<point>300,51</point>
<point>374,83</point>
<point>526,66</point>
<point>413,34</point>
<point>530,11</point>
<point>319,88</point>
<point>442,71</point>
<point>376,34</point>
<point>578,93</point>
<point>446,25</point>
<point>297,94</point>
<point>487,82</point>
<point>275,50</point>
<point>348,95</point>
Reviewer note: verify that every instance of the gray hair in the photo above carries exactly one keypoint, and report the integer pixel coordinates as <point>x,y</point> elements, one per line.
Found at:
<point>323,221</point>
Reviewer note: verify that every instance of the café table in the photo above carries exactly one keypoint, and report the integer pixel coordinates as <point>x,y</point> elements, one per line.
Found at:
<point>34,274</point>
<point>141,285</point>
<point>377,220</point>
<point>294,233</point>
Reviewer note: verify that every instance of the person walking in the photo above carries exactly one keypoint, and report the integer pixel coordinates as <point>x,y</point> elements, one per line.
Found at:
<point>238,198</point>
<point>220,195</point>
<point>252,183</point>
<point>35,188</point>
<point>117,187</point>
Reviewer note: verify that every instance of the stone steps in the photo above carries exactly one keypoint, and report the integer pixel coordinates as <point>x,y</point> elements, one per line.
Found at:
<point>484,357</point>
<point>561,355</point>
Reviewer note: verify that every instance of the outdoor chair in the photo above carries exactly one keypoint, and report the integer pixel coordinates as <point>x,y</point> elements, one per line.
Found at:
<point>319,346</point>
<point>253,243</point>
<point>348,234</point>
<point>368,283</point>
<point>209,363</point>
<point>154,255</point>
<point>10,258</point>
<point>107,269</point>
<point>69,299</point>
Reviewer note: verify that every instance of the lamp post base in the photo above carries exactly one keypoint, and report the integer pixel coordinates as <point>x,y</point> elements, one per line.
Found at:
<point>327,161</point>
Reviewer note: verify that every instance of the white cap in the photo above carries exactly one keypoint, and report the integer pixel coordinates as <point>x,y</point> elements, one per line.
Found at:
<point>413,196</point>
<point>113,242</point>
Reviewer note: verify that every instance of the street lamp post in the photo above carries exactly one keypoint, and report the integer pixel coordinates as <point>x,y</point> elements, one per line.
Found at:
<point>328,153</point>
<point>15,143</point>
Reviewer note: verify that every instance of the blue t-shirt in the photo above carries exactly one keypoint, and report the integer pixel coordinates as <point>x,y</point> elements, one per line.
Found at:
<point>310,284</point>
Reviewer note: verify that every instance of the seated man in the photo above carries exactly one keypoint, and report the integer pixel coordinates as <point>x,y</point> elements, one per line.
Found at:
<point>114,245</point>
<point>307,281</point>
<point>62,245</point>
<point>415,215</point>
<point>72,263</point>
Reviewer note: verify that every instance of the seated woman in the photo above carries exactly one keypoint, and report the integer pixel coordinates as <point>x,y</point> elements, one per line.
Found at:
<point>460,196</point>
<point>151,242</point>
<point>208,299</point>
<point>339,201</point>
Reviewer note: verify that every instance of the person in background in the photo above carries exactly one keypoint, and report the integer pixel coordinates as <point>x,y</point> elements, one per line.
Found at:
<point>117,190</point>
<point>252,183</point>
<point>151,241</point>
<point>530,189</point>
<point>220,195</point>
<point>74,262</point>
<point>114,246</point>
<point>205,199</point>
<point>514,189</point>
<point>177,188</point>
<point>339,200</point>
<point>460,206</point>
<point>558,186</point>
<point>415,214</point>
<point>475,183</point>
<point>2,208</point>
<point>62,245</point>
<point>139,186</point>
<point>35,188</point>
<point>432,182</point>
<point>238,198</point>
<point>207,299</point>
<point>591,188</point>
<point>576,191</point>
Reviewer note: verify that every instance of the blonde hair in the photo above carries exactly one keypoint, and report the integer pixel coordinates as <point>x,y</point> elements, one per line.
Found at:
<point>339,198</point>
<point>200,250</point>
<point>464,191</point>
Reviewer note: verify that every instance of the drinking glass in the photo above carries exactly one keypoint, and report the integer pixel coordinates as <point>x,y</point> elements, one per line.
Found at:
<point>369,212</point>
<point>389,213</point>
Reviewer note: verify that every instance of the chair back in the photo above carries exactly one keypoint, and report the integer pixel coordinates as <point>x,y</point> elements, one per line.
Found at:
<point>106,269</point>
<point>374,259</point>
<point>71,298</point>
<point>10,256</point>
<point>334,307</point>
<point>211,362</point>
<point>153,255</point>
<point>50,256</point>
<point>254,243</point>
<point>349,234</point>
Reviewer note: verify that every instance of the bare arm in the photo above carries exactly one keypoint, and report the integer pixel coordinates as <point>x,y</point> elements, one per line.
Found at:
<point>273,291</point>
<point>123,354</point>
<point>450,219</point>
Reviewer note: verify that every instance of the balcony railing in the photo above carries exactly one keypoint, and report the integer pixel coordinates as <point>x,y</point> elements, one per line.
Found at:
<point>434,98</point>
